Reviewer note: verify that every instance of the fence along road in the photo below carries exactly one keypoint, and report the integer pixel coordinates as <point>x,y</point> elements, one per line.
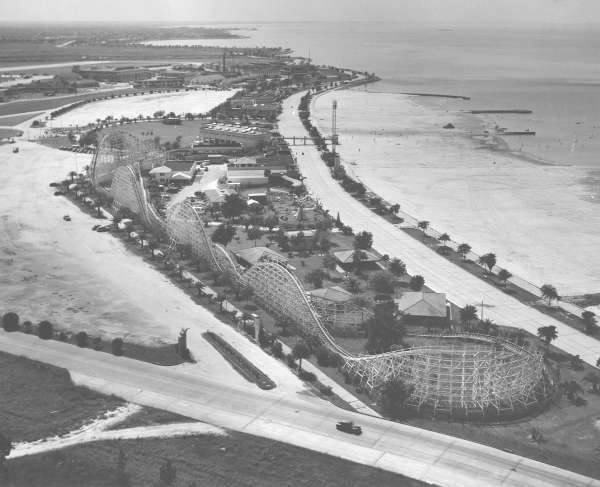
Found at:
<point>461,287</point>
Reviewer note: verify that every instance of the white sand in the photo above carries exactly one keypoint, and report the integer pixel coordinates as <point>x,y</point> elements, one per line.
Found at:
<point>83,280</point>
<point>179,102</point>
<point>539,220</point>
<point>97,431</point>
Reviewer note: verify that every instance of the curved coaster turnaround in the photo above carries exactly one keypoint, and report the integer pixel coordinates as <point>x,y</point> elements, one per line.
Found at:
<point>459,375</point>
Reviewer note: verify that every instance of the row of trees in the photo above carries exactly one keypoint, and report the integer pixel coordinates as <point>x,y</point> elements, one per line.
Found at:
<point>489,261</point>
<point>46,331</point>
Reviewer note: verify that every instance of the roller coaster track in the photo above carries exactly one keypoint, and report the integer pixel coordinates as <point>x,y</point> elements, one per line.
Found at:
<point>479,372</point>
<point>471,372</point>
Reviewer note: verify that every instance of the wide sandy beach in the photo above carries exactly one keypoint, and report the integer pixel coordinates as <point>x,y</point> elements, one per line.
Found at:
<point>540,220</point>
<point>145,105</point>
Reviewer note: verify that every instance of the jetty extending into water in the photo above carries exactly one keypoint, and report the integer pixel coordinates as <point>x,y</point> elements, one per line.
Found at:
<point>514,110</point>
<point>438,95</point>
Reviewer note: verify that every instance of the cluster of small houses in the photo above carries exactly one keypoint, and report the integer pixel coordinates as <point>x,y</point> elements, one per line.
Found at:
<point>414,306</point>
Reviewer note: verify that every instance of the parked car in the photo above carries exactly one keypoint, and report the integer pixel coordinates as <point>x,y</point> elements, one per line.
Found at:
<point>67,218</point>
<point>59,193</point>
<point>349,427</point>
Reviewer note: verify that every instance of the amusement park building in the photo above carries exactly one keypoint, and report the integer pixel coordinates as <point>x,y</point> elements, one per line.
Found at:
<point>224,133</point>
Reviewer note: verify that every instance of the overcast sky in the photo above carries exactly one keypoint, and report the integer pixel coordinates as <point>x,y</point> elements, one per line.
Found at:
<point>452,11</point>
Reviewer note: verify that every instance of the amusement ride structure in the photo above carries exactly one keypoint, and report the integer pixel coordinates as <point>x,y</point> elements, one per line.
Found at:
<point>468,376</point>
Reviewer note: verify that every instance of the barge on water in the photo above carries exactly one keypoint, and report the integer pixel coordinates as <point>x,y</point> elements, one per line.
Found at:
<point>514,110</point>
<point>515,132</point>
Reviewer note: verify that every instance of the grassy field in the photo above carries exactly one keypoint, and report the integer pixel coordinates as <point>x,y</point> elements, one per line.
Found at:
<point>38,400</point>
<point>234,460</point>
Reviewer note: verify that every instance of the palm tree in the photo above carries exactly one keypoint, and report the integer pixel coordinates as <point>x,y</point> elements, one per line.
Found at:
<point>576,362</point>
<point>423,225</point>
<point>504,276</point>
<point>487,326</point>
<point>488,260</point>
<point>444,238</point>
<point>550,293</point>
<point>397,267</point>
<point>468,314</point>
<point>547,333</point>
<point>464,249</point>
<point>72,175</point>
<point>254,233</point>
<point>299,352</point>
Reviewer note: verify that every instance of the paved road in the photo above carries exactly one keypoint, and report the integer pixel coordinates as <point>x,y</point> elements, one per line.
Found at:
<point>301,420</point>
<point>461,287</point>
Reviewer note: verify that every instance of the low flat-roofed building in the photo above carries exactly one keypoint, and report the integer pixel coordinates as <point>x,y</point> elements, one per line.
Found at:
<point>239,162</point>
<point>113,74</point>
<point>253,255</point>
<point>186,166</point>
<point>180,177</point>
<point>295,233</point>
<point>422,304</point>
<point>246,178</point>
<point>259,197</point>
<point>225,133</point>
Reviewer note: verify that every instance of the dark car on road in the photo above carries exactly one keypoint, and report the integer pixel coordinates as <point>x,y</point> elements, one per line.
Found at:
<point>349,427</point>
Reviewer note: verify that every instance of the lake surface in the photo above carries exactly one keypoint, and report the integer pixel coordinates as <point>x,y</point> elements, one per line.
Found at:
<point>530,199</point>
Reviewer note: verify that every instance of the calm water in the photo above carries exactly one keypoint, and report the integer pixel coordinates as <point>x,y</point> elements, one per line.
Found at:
<point>541,220</point>
<point>553,71</point>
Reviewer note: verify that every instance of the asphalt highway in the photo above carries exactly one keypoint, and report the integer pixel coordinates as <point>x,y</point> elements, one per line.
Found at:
<point>300,419</point>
